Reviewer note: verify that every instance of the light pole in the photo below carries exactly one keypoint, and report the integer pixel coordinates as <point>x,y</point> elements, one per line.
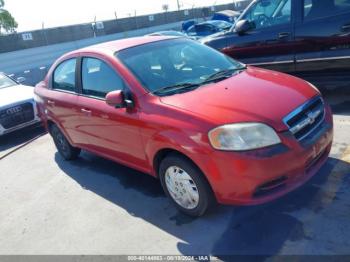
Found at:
<point>178,5</point>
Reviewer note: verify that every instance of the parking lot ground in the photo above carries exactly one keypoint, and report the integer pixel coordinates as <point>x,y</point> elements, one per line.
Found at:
<point>94,206</point>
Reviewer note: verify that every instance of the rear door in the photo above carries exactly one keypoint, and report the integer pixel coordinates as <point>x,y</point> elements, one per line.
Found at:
<point>270,42</point>
<point>323,39</point>
<point>61,99</point>
<point>111,132</point>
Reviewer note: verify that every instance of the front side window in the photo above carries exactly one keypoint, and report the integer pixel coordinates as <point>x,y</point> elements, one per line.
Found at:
<point>5,81</point>
<point>99,78</point>
<point>64,76</point>
<point>175,62</point>
<point>267,13</point>
<point>314,9</point>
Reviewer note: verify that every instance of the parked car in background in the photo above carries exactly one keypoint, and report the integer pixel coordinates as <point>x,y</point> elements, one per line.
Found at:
<point>210,128</point>
<point>208,28</point>
<point>17,106</point>
<point>307,38</point>
<point>168,33</point>
<point>226,15</point>
<point>187,24</point>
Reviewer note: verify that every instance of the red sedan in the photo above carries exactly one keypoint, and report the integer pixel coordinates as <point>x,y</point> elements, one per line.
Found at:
<point>210,128</point>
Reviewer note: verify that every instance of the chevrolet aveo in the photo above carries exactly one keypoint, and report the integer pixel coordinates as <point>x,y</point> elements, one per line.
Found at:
<point>210,128</point>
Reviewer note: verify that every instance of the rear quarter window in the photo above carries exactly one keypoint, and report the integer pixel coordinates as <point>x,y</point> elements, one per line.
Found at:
<point>314,9</point>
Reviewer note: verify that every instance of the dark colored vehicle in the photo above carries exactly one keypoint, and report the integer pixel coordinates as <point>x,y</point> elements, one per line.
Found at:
<point>187,24</point>
<point>210,128</point>
<point>208,28</point>
<point>307,38</point>
<point>226,15</point>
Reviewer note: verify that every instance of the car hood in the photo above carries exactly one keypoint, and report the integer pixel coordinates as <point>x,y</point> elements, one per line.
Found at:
<point>254,95</point>
<point>15,94</point>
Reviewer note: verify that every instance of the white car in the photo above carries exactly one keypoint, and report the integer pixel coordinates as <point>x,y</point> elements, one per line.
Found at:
<point>17,106</point>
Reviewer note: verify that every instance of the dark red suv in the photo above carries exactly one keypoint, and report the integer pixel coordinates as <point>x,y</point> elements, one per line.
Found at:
<point>306,38</point>
<point>210,128</point>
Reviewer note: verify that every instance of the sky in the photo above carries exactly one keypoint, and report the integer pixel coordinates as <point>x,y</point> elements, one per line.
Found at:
<point>33,14</point>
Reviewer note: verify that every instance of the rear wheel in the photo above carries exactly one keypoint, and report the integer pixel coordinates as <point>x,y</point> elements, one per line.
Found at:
<point>185,185</point>
<point>63,146</point>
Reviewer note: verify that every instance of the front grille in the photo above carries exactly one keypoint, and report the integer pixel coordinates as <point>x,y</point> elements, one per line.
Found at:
<point>16,115</point>
<point>306,118</point>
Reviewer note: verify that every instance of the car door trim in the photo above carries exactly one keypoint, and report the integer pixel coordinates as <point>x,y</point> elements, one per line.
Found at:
<point>273,63</point>
<point>322,59</point>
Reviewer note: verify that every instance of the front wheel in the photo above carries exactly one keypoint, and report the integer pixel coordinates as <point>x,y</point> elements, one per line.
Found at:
<point>185,185</point>
<point>63,146</point>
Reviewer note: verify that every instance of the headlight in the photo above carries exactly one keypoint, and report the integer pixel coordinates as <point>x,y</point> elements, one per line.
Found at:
<point>243,136</point>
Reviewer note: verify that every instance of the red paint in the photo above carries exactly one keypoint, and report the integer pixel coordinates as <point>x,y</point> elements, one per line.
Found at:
<point>181,122</point>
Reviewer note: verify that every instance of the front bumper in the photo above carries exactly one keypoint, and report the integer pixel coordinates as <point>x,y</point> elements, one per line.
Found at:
<point>259,176</point>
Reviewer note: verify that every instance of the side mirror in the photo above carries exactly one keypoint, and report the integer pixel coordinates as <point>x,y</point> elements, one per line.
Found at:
<point>243,26</point>
<point>116,99</point>
<point>20,79</point>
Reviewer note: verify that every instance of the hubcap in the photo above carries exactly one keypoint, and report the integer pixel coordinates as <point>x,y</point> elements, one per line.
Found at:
<point>181,187</point>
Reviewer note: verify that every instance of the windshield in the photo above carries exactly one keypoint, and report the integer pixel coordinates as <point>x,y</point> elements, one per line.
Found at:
<point>174,62</point>
<point>5,81</point>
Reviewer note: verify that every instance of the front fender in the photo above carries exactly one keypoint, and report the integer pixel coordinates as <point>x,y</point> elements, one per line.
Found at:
<point>193,145</point>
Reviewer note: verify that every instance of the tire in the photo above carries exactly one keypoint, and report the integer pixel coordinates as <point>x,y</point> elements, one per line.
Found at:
<point>66,150</point>
<point>195,205</point>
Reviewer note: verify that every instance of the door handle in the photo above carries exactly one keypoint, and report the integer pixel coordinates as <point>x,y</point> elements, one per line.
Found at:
<point>86,111</point>
<point>283,35</point>
<point>50,102</point>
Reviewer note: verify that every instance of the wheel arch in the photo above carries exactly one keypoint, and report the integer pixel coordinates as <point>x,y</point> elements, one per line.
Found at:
<point>50,123</point>
<point>164,152</point>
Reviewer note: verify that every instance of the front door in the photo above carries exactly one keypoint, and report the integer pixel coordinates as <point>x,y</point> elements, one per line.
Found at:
<point>270,42</point>
<point>111,132</point>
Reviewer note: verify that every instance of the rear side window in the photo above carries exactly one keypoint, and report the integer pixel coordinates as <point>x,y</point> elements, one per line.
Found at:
<point>64,76</point>
<point>99,78</point>
<point>314,9</point>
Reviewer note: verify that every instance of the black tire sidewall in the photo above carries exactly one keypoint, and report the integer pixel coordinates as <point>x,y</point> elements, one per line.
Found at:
<point>71,152</point>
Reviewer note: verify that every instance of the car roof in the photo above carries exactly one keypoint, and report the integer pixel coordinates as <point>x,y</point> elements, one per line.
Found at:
<point>118,45</point>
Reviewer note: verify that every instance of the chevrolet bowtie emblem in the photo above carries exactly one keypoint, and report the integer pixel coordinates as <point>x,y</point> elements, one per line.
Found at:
<point>309,120</point>
<point>312,116</point>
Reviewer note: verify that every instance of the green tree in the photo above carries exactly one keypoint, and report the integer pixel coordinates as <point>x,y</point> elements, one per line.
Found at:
<point>7,22</point>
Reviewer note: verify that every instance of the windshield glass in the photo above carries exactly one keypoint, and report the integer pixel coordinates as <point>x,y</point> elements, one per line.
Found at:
<point>174,62</point>
<point>266,13</point>
<point>5,81</point>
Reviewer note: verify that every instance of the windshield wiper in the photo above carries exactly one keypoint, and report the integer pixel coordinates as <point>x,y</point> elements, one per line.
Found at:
<point>176,88</point>
<point>220,75</point>
<point>217,76</point>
